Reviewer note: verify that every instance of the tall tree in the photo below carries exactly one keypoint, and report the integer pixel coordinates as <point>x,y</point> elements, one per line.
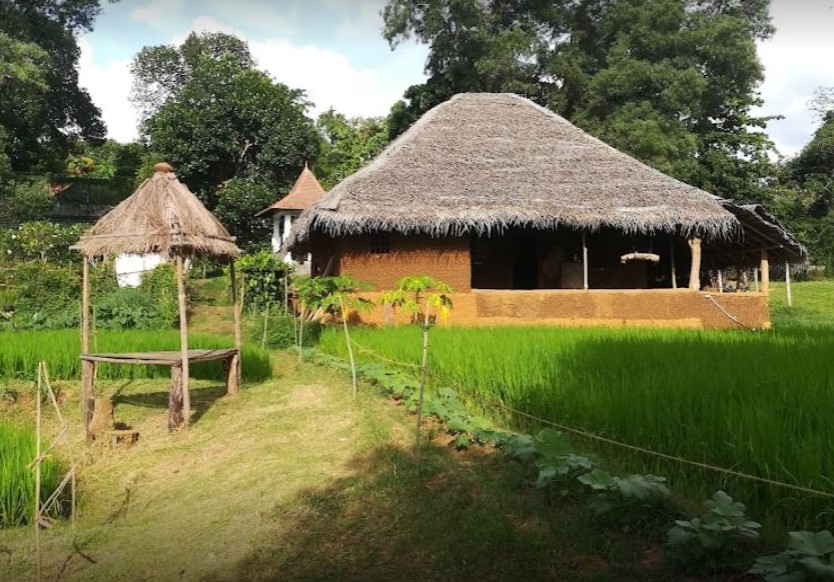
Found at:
<point>672,82</point>
<point>56,111</point>
<point>347,145</point>
<point>213,115</point>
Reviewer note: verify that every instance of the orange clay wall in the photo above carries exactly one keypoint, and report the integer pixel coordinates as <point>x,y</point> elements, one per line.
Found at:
<point>636,308</point>
<point>446,260</point>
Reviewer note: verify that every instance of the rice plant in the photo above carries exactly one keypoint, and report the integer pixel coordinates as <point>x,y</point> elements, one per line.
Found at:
<point>17,481</point>
<point>21,351</point>
<point>757,403</point>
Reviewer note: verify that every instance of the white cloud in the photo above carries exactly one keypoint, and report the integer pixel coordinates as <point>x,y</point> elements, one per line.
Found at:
<point>156,12</point>
<point>109,87</point>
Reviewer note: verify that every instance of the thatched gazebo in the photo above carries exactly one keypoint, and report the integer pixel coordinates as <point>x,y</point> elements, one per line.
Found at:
<point>164,217</point>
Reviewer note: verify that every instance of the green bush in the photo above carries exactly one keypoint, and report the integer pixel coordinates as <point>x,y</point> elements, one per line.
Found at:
<point>263,279</point>
<point>130,309</point>
<point>161,285</point>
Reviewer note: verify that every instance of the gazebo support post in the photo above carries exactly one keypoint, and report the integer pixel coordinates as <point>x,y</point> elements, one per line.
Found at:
<point>765,276</point>
<point>87,368</point>
<point>585,284</point>
<point>183,368</point>
<point>233,380</point>
<point>695,271</point>
<point>672,262</point>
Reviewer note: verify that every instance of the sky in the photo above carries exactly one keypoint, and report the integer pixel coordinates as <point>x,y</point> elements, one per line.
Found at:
<point>334,50</point>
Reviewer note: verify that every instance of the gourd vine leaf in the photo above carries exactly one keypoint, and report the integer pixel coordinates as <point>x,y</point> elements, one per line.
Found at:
<point>811,544</point>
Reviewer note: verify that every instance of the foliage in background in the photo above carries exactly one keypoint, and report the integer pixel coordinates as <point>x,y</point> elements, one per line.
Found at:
<point>22,200</point>
<point>265,276</point>
<point>282,332</point>
<point>672,82</point>
<point>40,241</point>
<point>347,145</point>
<point>17,480</point>
<point>214,116</point>
<point>238,200</point>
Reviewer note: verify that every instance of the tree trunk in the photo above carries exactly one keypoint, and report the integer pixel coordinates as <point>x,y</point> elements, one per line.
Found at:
<point>695,271</point>
<point>175,399</point>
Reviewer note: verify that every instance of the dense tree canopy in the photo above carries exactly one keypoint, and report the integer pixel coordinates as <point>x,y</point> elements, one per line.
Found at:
<point>42,108</point>
<point>347,145</point>
<point>669,81</point>
<point>235,136</point>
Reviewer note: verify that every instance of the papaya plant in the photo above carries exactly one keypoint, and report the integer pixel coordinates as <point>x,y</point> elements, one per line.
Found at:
<point>425,299</point>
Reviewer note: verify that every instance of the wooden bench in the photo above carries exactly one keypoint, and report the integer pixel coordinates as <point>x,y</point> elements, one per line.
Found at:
<point>173,359</point>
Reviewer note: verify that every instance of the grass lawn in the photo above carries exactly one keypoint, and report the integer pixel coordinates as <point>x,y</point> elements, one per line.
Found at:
<point>295,480</point>
<point>813,304</point>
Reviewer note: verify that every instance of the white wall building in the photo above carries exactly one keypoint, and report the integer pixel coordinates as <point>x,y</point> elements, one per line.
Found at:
<point>305,192</point>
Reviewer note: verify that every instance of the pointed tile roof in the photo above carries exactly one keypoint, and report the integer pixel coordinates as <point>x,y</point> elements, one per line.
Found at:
<point>304,194</point>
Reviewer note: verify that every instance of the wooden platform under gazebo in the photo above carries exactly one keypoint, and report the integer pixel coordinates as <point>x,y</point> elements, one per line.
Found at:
<point>164,217</point>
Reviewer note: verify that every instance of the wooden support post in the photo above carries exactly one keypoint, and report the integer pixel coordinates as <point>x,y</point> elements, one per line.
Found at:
<point>672,261</point>
<point>695,271</point>
<point>720,281</point>
<point>88,375</point>
<point>232,379</point>
<point>585,284</point>
<point>85,306</point>
<point>175,398</point>
<point>756,279</point>
<point>788,284</point>
<point>237,308</point>
<point>186,397</point>
<point>765,268</point>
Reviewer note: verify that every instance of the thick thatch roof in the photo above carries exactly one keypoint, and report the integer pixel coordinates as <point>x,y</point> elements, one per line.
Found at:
<point>162,216</point>
<point>483,162</point>
<point>304,194</point>
<point>759,231</point>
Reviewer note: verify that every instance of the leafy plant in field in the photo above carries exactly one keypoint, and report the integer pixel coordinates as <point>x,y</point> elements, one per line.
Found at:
<point>711,542</point>
<point>424,298</point>
<point>555,460</point>
<point>265,277</point>
<point>810,556</point>
<point>624,493</point>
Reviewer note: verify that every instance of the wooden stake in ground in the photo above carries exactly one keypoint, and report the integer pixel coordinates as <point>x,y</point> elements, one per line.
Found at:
<point>788,284</point>
<point>765,276</point>
<point>672,262</point>
<point>36,516</point>
<point>585,283</point>
<point>424,362</point>
<point>87,368</point>
<point>186,397</point>
<point>349,347</point>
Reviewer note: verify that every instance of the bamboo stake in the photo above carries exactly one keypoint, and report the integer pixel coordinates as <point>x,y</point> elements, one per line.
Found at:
<point>266,320</point>
<point>37,514</point>
<point>186,397</point>
<point>423,365</point>
<point>788,284</point>
<point>585,284</point>
<point>349,347</point>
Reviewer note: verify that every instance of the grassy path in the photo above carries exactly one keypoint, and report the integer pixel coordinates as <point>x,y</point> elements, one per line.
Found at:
<point>294,480</point>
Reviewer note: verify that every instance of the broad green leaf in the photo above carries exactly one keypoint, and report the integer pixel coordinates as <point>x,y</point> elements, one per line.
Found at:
<point>810,543</point>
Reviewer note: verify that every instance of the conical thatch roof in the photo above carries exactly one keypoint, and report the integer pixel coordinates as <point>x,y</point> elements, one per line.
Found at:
<point>163,216</point>
<point>306,192</point>
<point>482,162</point>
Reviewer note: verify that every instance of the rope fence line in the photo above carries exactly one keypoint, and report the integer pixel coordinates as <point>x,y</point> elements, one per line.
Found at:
<point>488,402</point>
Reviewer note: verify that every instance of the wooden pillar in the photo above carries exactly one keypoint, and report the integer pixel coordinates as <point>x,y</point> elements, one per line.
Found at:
<point>175,398</point>
<point>88,375</point>
<point>85,306</point>
<point>695,271</point>
<point>232,379</point>
<point>756,279</point>
<point>765,278</point>
<point>672,261</point>
<point>237,308</point>
<point>788,284</point>
<point>585,284</point>
<point>186,397</point>
<point>720,281</point>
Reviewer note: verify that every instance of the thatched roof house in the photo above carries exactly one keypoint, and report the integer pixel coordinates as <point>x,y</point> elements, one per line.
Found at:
<point>524,200</point>
<point>161,217</point>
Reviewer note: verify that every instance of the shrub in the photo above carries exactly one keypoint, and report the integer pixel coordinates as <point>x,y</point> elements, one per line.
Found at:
<point>130,309</point>
<point>263,278</point>
<point>281,332</point>
<point>810,556</point>
<point>160,284</point>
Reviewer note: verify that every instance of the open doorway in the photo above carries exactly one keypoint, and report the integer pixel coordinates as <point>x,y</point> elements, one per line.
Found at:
<point>525,263</point>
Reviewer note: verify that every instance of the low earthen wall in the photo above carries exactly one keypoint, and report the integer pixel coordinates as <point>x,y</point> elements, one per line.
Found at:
<point>637,308</point>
